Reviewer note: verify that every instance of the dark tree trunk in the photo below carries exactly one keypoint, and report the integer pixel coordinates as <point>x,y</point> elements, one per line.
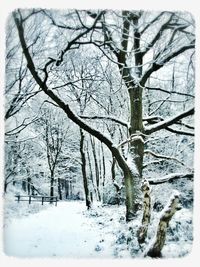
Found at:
<point>24,183</point>
<point>96,167</point>
<point>83,167</point>
<point>29,185</point>
<point>104,166</point>
<point>5,187</point>
<point>52,187</point>
<point>59,189</point>
<point>113,169</point>
<point>66,189</point>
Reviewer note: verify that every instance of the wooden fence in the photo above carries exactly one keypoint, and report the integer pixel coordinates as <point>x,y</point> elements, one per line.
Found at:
<point>41,199</point>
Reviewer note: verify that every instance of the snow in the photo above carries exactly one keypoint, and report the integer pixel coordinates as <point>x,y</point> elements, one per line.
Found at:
<point>60,231</point>
<point>57,231</point>
<point>71,231</point>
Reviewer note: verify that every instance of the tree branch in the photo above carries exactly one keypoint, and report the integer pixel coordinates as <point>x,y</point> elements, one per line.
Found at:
<point>65,107</point>
<point>168,92</point>
<point>158,35</point>
<point>164,157</point>
<point>164,124</point>
<point>170,177</point>
<point>159,64</point>
<point>179,132</point>
<point>123,123</point>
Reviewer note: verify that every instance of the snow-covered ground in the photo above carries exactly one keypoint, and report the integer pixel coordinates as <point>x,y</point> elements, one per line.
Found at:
<point>57,231</point>
<point>69,230</point>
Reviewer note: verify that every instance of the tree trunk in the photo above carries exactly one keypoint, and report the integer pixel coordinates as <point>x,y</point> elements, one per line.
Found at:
<point>118,190</point>
<point>59,189</point>
<point>91,175</point>
<point>104,166</point>
<point>142,231</point>
<point>113,169</point>
<point>159,241</point>
<point>130,195</point>
<point>5,187</point>
<point>24,183</point>
<point>137,147</point>
<point>51,187</point>
<point>83,167</point>
<point>96,167</point>
<point>29,185</point>
<point>66,189</point>
<point>70,189</point>
<point>135,96</point>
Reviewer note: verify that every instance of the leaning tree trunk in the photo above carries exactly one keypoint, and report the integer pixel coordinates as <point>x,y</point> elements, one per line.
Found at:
<point>142,231</point>
<point>159,241</point>
<point>83,167</point>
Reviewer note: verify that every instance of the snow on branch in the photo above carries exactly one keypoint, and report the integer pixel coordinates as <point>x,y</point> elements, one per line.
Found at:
<point>123,123</point>
<point>164,157</point>
<point>179,132</point>
<point>157,65</point>
<point>170,177</point>
<point>137,136</point>
<point>164,124</point>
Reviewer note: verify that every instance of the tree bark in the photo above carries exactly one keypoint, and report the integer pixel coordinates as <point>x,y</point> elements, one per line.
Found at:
<point>59,189</point>
<point>91,175</point>
<point>142,231</point>
<point>51,187</point>
<point>83,168</point>
<point>136,124</point>
<point>159,241</point>
<point>96,167</point>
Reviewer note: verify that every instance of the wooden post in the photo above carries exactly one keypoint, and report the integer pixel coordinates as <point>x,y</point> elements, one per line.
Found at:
<point>29,199</point>
<point>42,200</point>
<point>56,200</point>
<point>18,198</point>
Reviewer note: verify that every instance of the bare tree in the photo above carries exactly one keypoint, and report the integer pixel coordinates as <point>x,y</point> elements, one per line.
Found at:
<point>54,136</point>
<point>137,55</point>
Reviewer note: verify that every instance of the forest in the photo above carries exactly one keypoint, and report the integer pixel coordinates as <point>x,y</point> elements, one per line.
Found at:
<point>99,114</point>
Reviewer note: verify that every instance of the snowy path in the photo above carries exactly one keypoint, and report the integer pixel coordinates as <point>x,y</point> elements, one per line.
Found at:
<point>61,231</point>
